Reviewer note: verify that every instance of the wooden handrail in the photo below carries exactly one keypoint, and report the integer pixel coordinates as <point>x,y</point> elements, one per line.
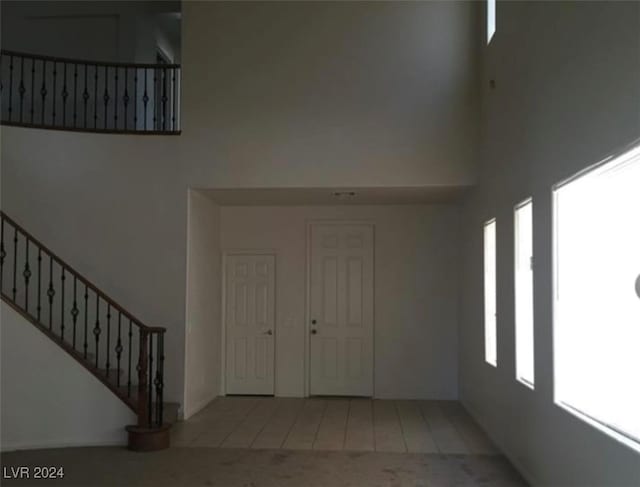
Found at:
<point>93,131</point>
<point>80,277</point>
<point>6,52</point>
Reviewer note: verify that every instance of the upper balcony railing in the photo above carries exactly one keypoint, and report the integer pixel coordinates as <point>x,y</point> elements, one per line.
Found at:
<point>69,94</point>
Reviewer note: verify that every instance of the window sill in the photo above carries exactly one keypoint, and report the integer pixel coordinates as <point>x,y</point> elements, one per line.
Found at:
<point>610,432</point>
<point>526,383</point>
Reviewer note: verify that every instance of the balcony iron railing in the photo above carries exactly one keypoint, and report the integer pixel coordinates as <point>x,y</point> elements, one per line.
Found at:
<point>69,94</point>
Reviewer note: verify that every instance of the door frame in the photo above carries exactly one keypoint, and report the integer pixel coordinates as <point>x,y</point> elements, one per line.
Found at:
<point>307,307</point>
<point>226,253</point>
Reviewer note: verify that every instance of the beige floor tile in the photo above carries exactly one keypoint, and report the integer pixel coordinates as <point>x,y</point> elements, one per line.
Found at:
<point>276,430</point>
<point>303,432</point>
<point>474,438</point>
<point>332,428</point>
<point>415,430</point>
<point>446,436</point>
<point>359,434</point>
<point>387,428</point>
<point>244,435</point>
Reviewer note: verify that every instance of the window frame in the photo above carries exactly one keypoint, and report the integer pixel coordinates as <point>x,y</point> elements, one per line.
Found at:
<point>516,242</point>
<point>491,360</point>
<point>491,17</point>
<point>628,152</point>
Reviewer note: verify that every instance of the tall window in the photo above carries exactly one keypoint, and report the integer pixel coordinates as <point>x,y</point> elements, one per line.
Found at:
<point>597,307</point>
<point>491,19</point>
<point>490,347</point>
<point>523,225</point>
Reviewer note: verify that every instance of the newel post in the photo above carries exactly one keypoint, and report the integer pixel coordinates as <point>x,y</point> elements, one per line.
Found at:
<point>143,397</point>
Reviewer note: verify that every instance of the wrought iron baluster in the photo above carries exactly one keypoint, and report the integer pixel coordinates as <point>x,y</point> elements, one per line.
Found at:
<point>173,112</point>
<point>156,108</point>
<point>74,309</point>
<point>150,385</point>
<point>135,99</point>
<point>164,98</point>
<point>43,90</point>
<point>145,99</point>
<point>75,95</point>
<point>10,85</point>
<point>119,348</point>
<point>125,98</point>
<point>33,88</point>
<point>85,95</point>
<point>55,73</point>
<point>3,253</point>
<point>15,260</point>
<point>39,308</point>
<point>96,329</point>
<point>129,366</point>
<point>51,292</point>
<point>86,318</point>
<point>21,89</point>
<point>62,279</point>
<point>65,94</point>
<point>109,337</point>
<point>115,101</point>
<point>106,96</point>
<point>95,97</point>
<point>26,273</point>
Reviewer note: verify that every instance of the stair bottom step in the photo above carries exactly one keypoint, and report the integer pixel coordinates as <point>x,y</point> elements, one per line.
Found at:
<point>148,439</point>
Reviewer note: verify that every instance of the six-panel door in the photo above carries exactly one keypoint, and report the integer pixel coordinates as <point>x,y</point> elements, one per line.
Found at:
<point>341,310</point>
<point>250,324</point>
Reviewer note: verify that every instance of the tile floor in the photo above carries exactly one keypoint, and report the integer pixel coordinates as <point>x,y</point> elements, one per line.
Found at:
<point>334,424</point>
<point>282,442</point>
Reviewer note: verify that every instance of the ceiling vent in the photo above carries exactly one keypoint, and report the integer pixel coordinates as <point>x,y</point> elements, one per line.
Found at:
<point>344,195</point>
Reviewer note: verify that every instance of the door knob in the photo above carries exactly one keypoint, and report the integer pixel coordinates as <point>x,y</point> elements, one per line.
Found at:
<point>268,332</point>
<point>313,332</point>
<point>313,322</point>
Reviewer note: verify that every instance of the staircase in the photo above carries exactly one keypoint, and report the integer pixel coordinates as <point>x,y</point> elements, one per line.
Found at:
<point>112,344</point>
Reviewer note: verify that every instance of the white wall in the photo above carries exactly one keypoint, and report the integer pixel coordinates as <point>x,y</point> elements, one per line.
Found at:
<point>202,334</point>
<point>317,94</point>
<point>47,399</point>
<point>416,255</point>
<point>567,90</point>
<point>366,94</point>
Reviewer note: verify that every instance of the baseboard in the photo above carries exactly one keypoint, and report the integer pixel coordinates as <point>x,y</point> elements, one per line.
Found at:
<point>42,445</point>
<point>528,476</point>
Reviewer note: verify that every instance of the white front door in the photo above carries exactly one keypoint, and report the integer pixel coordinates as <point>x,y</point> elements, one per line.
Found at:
<point>341,310</point>
<point>249,322</point>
